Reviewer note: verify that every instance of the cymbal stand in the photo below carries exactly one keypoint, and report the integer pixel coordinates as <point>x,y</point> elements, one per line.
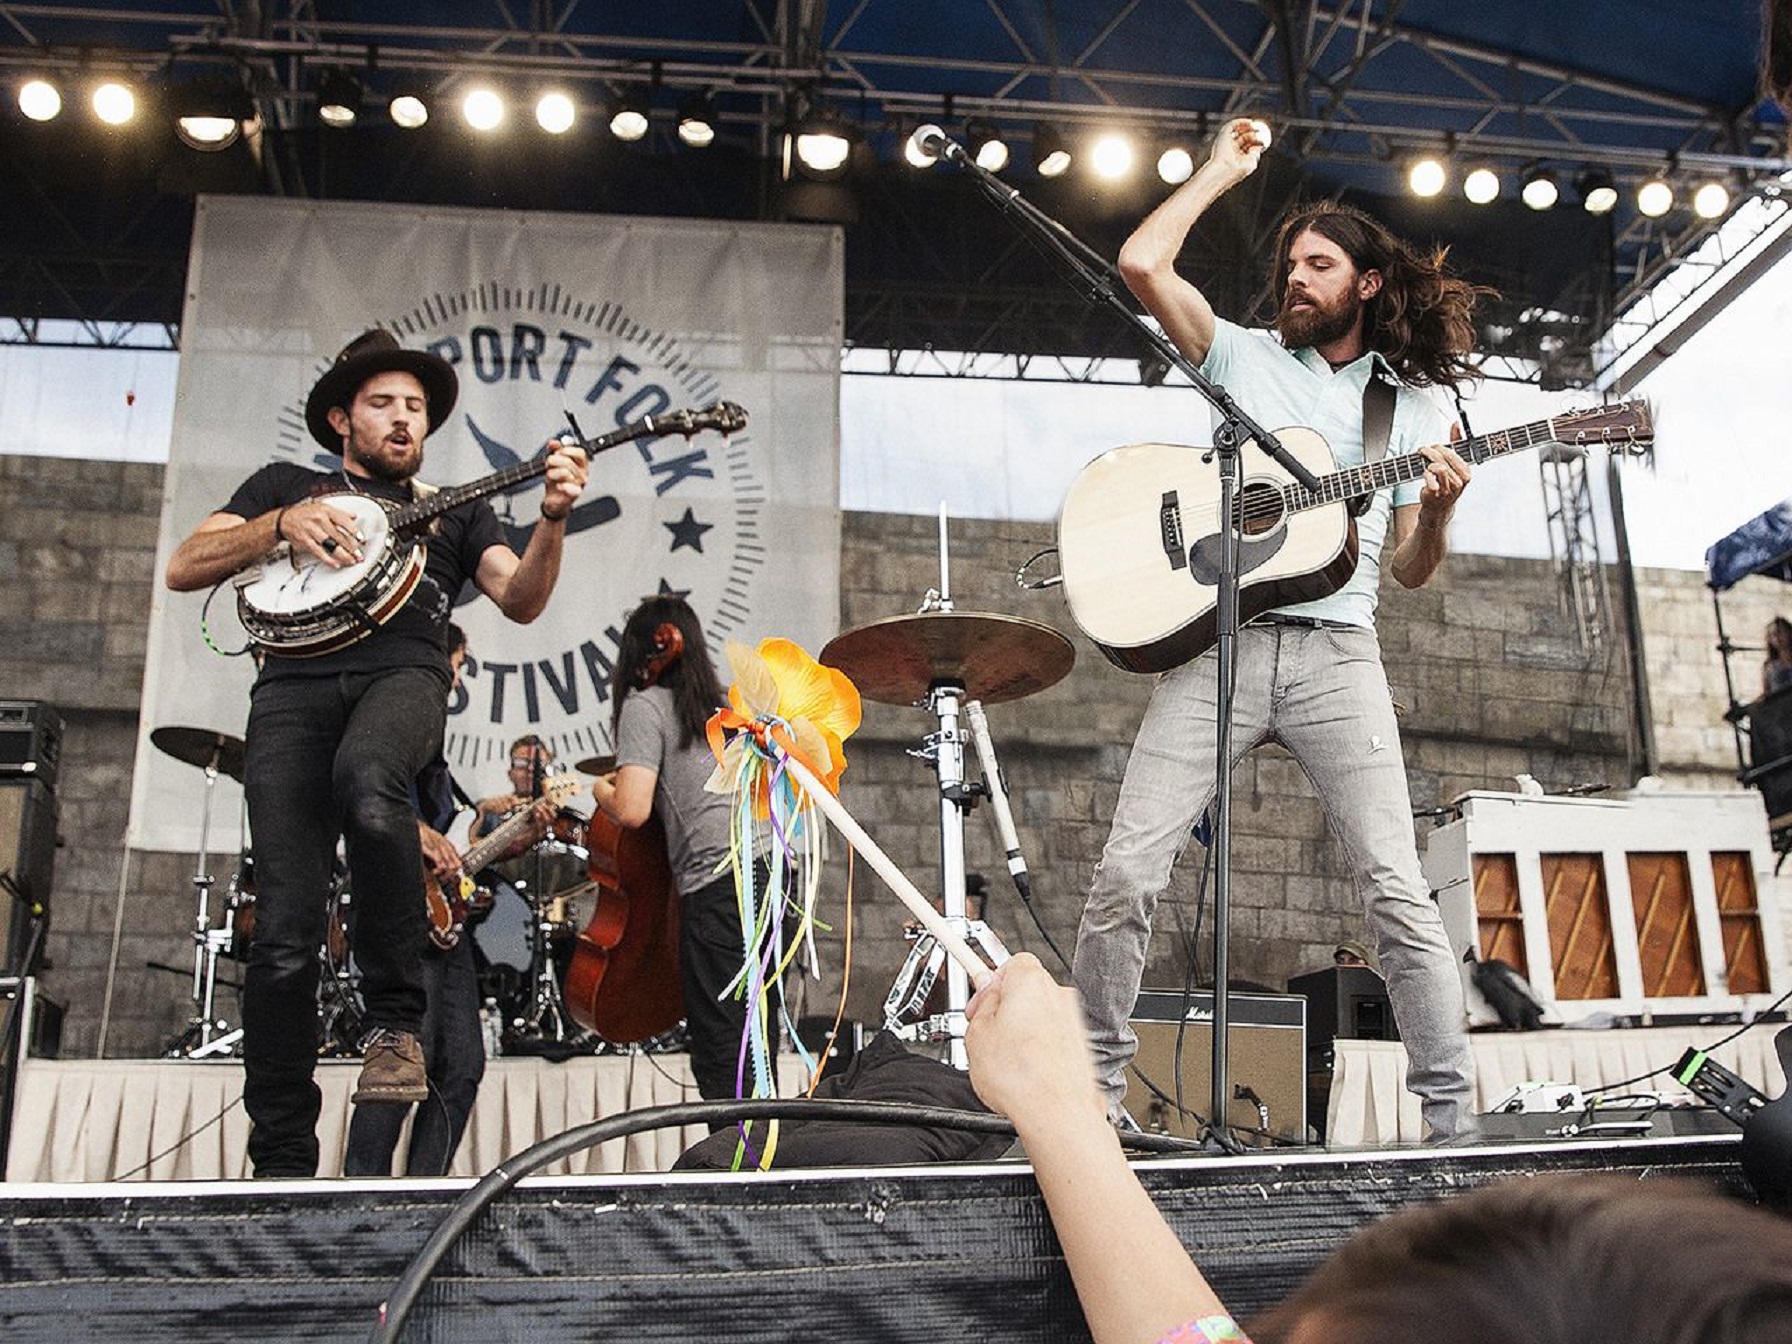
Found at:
<point>920,970</point>
<point>546,1019</point>
<point>206,1033</point>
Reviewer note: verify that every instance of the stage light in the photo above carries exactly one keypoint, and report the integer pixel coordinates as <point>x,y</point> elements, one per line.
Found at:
<point>697,120</point>
<point>114,103</point>
<point>1481,186</point>
<point>338,99</point>
<point>986,145</point>
<point>1598,193</point>
<point>1654,198</point>
<point>1050,154</point>
<point>628,117</point>
<point>1427,176</point>
<point>1175,165</point>
<point>1539,190</point>
<point>821,146</point>
<point>210,113</point>
<point>408,109</point>
<point>912,152</point>
<point>483,109</point>
<point>554,112</point>
<point>1111,156</point>
<point>1711,200</point>
<point>39,100</point>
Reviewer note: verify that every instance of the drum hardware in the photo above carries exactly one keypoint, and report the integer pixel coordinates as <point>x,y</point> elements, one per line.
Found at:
<point>542,1024</point>
<point>206,1033</point>
<point>943,658</point>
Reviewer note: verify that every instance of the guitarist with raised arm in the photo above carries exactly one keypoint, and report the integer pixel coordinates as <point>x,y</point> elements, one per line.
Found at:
<point>1352,302</point>
<point>338,731</point>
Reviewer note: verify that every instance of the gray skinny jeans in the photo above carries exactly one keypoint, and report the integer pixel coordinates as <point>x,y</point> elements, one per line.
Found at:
<point>1323,695</point>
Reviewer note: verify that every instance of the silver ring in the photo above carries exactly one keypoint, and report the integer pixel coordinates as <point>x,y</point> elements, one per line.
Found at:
<point>330,545</point>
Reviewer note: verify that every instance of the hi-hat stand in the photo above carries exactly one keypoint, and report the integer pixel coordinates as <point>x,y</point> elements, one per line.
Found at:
<point>206,1033</point>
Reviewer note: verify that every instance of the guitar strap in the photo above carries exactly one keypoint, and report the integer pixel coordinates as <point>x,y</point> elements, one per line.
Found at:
<point>1378,427</point>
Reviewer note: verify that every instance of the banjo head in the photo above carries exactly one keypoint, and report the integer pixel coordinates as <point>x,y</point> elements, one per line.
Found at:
<point>293,583</point>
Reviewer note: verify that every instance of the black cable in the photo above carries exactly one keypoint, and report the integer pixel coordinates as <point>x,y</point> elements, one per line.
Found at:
<point>394,1311</point>
<point>1645,1077</point>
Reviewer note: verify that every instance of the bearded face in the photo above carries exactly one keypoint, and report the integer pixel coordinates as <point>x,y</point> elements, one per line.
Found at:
<point>1306,319</point>
<point>1324,294</point>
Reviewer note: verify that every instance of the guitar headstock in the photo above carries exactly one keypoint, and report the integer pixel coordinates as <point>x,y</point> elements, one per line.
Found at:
<point>562,787</point>
<point>724,417</point>
<point>1626,427</point>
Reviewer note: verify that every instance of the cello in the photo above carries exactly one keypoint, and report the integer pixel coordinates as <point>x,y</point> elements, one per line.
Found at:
<point>623,980</point>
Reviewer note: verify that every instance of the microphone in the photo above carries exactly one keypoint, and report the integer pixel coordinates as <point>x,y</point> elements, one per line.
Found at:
<point>998,796</point>
<point>930,144</point>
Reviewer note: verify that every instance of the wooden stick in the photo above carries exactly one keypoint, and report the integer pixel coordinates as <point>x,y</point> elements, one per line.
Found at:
<point>919,906</point>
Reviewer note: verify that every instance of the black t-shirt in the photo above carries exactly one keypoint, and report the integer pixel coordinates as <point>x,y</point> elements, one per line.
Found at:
<point>416,634</point>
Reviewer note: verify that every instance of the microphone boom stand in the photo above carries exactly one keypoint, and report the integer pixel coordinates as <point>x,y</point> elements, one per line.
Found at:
<point>1234,430</point>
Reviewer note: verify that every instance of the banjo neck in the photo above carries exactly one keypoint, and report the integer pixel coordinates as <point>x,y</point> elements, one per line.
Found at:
<point>422,511</point>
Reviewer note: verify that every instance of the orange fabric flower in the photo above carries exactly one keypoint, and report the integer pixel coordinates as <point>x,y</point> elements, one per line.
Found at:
<point>782,694</point>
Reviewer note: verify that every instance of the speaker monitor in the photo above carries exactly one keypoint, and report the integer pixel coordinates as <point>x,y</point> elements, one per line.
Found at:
<point>30,741</point>
<point>1345,1002</point>
<point>1266,1054</point>
<point>28,852</point>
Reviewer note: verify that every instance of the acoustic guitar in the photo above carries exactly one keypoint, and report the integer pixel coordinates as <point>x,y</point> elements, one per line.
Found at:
<point>1139,533</point>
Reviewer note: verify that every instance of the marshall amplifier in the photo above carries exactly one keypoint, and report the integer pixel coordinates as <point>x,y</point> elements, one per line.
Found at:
<point>1265,1056</point>
<point>30,741</point>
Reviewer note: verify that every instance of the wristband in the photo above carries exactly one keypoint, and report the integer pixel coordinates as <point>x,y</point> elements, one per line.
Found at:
<point>280,518</point>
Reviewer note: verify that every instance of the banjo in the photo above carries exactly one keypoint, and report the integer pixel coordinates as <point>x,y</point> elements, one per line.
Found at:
<point>293,605</point>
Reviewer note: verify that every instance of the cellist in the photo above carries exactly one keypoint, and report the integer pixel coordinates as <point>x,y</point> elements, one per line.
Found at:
<point>662,693</point>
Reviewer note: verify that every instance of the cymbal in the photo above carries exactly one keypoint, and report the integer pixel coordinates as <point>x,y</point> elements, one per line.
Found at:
<point>202,747</point>
<point>897,661</point>
<point>595,765</point>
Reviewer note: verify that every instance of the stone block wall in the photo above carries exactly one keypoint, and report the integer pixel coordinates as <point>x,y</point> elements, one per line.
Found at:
<point>1484,663</point>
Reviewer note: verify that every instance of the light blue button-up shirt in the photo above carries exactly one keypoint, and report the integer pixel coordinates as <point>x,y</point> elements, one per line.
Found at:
<point>1280,388</point>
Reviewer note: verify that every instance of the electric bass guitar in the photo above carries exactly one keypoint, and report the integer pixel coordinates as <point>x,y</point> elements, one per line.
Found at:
<point>1139,534</point>
<point>452,901</point>
<point>293,605</point>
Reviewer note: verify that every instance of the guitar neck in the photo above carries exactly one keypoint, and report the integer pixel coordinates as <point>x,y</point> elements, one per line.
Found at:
<point>493,846</point>
<point>438,502</point>
<point>1352,482</point>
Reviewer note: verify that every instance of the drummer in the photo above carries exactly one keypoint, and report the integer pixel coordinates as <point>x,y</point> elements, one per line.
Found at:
<point>530,758</point>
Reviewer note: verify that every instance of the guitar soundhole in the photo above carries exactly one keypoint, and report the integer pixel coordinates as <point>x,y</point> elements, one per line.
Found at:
<point>1261,508</point>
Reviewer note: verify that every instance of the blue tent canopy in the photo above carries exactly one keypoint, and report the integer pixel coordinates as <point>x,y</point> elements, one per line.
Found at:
<point>1762,545</point>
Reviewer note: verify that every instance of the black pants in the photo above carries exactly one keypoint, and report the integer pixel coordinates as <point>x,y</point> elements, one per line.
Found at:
<point>453,1054</point>
<point>329,756</point>
<point>709,957</point>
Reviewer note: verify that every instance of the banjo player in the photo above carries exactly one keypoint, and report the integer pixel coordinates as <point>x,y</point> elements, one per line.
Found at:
<point>335,737</point>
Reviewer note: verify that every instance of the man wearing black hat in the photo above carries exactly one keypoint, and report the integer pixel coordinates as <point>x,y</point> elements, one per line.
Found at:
<point>334,740</point>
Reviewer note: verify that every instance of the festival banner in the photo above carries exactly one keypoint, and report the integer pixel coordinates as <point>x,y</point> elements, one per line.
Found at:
<point>610,319</point>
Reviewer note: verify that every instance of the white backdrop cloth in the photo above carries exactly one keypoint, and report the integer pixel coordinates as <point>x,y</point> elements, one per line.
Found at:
<point>613,319</point>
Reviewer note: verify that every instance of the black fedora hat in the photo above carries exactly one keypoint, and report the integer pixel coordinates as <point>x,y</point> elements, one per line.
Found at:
<point>377,351</point>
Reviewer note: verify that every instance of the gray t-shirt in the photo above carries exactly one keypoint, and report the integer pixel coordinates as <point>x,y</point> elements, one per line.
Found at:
<point>696,821</point>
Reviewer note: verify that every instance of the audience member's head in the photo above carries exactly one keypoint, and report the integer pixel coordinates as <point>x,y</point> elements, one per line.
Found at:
<point>1554,1260</point>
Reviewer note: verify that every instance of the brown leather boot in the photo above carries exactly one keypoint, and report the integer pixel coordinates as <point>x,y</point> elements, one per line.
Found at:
<point>391,1068</point>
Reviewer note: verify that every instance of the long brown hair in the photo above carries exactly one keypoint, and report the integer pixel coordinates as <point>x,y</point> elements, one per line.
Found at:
<point>1421,320</point>
<point>691,677</point>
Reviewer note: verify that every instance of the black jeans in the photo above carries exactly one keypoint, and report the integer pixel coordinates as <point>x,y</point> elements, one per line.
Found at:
<point>453,1054</point>
<point>329,756</point>
<point>709,957</point>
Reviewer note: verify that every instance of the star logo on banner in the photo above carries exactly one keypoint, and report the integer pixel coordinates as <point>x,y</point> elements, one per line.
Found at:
<point>687,531</point>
